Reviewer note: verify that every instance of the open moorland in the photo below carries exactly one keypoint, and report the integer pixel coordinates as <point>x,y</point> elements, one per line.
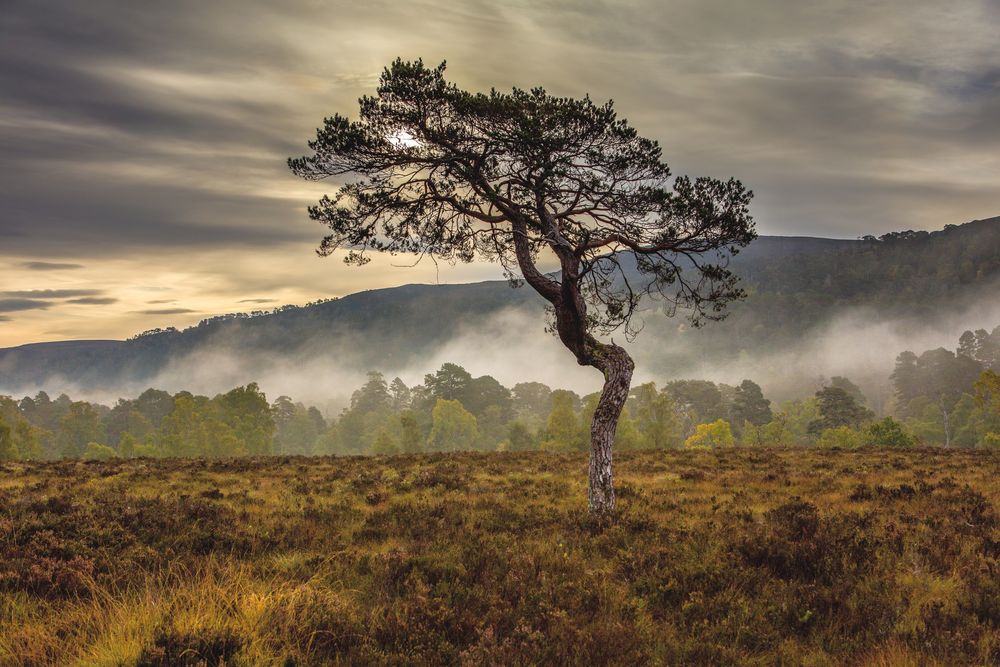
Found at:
<point>734,556</point>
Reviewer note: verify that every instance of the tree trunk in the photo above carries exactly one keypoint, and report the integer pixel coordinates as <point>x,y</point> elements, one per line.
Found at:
<point>617,365</point>
<point>614,362</point>
<point>947,425</point>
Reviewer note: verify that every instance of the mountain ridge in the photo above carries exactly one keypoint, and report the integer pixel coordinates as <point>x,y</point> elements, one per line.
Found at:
<point>793,284</point>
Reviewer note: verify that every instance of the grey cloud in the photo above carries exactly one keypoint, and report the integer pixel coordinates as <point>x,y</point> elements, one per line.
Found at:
<point>143,125</point>
<point>166,311</point>
<point>94,300</point>
<point>255,301</point>
<point>50,293</point>
<point>139,161</point>
<point>49,266</point>
<point>13,305</point>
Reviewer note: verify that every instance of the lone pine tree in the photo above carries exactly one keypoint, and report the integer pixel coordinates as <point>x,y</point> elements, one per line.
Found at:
<point>522,178</point>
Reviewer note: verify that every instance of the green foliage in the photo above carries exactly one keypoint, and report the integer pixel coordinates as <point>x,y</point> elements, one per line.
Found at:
<point>492,423</point>
<point>401,395</point>
<point>982,346</point>
<point>180,433</point>
<point>969,419</point>
<point>236,423</point>
<point>749,405</point>
<point>23,439</point>
<point>385,418</point>
<point>656,419</point>
<point>938,375</point>
<point>8,452</point>
<point>988,404</point>
<point>933,391</point>
<point>127,445</point>
<point>519,438</point>
<point>245,411</point>
<point>154,405</point>
<point>370,410</point>
<point>373,396</point>
<point>842,437</point>
<point>194,428</point>
<point>562,428</point>
<point>80,425</point>
<point>699,401</point>
<point>451,382</point>
<point>95,451</point>
<point>853,390</point>
<point>888,433</point>
<point>485,393</point>
<point>775,433</point>
<point>126,417</point>
<point>385,443</point>
<point>838,408</point>
<point>715,434</point>
<point>924,419</point>
<point>531,401</point>
<point>296,427</point>
<point>884,433</point>
<point>481,395</point>
<point>627,434</point>
<point>411,440</point>
<point>148,450</point>
<point>988,391</point>
<point>453,427</point>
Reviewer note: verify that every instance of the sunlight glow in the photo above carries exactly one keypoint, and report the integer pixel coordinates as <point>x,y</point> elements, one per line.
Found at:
<point>403,139</point>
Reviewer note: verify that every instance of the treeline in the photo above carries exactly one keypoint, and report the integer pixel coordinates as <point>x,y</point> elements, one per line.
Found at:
<point>941,398</point>
<point>450,411</point>
<point>156,423</point>
<point>229,317</point>
<point>952,398</point>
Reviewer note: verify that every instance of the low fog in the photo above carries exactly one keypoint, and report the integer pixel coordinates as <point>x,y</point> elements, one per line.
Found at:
<point>513,346</point>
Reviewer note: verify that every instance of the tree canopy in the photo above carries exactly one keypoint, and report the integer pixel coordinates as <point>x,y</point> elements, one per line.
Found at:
<point>444,172</point>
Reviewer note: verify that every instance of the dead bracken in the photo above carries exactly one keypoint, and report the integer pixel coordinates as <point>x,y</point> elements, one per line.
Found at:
<point>724,557</point>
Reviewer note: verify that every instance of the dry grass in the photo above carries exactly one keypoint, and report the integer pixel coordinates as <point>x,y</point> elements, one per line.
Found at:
<point>757,557</point>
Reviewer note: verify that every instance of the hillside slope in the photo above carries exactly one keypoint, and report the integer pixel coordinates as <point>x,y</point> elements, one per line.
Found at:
<point>795,285</point>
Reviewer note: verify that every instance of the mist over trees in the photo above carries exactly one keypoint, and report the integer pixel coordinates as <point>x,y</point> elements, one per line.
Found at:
<point>937,390</point>
<point>938,398</point>
<point>815,307</point>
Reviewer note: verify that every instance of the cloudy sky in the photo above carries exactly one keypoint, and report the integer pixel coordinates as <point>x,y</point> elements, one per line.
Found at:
<point>143,144</point>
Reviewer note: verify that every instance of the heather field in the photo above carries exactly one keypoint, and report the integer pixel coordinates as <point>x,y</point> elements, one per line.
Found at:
<point>759,557</point>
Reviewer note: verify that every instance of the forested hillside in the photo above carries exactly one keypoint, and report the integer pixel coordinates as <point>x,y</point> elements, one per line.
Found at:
<point>795,286</point>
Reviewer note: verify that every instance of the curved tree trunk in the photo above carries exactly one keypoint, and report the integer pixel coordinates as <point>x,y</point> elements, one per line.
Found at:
<point>614,362</point>
<point>617,365</point>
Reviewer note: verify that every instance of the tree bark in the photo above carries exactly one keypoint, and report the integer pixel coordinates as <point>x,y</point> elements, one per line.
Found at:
<point>617,366</point>
<point>613,361</point>
<point>947,425</point>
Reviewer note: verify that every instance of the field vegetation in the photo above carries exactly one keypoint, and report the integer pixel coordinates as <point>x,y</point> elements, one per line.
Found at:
<point>716,556</point>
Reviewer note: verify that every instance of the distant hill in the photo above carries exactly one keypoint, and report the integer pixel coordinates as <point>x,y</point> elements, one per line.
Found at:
<point>795,284</point>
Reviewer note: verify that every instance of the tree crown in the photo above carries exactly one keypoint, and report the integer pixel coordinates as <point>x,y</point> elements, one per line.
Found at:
<point>450,174</point>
